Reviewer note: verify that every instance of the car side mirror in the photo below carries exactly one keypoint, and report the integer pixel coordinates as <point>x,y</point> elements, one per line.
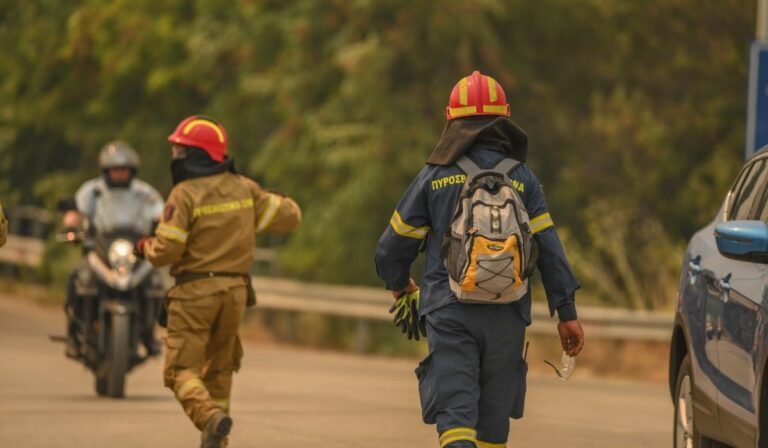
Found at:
<point>743,240</point>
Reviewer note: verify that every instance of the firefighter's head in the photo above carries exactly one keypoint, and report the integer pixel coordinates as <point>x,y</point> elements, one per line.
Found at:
<point>477,94</point>
<point>118,163</point>
<point>199,131</point>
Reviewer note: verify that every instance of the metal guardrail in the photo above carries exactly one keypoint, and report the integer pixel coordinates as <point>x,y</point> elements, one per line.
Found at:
<point>28,228</point>
<point>372,304</point>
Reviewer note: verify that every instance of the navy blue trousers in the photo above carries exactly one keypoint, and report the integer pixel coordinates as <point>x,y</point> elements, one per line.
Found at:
<point>473,379</point>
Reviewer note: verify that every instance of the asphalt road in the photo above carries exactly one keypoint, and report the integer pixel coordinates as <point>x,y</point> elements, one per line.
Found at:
<point>286,398</point>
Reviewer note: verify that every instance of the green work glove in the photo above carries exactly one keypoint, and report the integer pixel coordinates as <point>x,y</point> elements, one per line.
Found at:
<point>406,315</point>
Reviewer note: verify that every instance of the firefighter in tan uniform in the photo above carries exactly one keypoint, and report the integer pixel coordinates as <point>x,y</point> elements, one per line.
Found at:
<point>3,227</point>
<point>207,234</point>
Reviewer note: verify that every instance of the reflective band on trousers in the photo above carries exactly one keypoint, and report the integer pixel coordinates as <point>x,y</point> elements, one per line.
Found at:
<point>171,232</point>
<point>481,444</point>
<point>223,403</point>
<point>457,434</point>
<point>541,222</point>
<point>188,386</point>
<point>403,229</point>
<point>270,213</point>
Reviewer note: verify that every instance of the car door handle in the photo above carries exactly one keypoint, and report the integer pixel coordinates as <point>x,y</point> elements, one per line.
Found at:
<point>725,287</point>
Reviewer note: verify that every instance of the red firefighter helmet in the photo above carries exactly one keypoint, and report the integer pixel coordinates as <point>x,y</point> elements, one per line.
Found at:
<point>204,133</point>
<point>477,94</point>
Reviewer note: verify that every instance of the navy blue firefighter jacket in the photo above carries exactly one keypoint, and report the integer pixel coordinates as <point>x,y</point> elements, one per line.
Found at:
<point>426,211</point>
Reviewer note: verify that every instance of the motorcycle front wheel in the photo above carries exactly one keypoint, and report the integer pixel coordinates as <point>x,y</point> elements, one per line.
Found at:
<point>118,356</point>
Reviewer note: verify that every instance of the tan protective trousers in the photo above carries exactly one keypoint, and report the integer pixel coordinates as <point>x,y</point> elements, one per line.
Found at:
<point>203,351</point>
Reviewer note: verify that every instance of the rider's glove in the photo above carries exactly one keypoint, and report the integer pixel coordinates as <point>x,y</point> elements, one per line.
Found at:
<point>406,315</point>
<point>139,249</point>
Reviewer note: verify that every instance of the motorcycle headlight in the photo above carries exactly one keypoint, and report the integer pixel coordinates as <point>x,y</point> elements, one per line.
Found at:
<point>121,255</point>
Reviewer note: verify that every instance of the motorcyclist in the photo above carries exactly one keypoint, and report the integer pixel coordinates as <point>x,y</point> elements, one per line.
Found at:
<point>116,200</point>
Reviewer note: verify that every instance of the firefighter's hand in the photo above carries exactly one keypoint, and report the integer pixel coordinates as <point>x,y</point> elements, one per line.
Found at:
<point>139,249</point>
<point>412,287</point>
<point>571,336</point>
<point>406,315</point>
<point>72,219</point>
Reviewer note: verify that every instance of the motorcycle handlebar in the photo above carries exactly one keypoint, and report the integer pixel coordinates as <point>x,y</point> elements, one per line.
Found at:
<point>73,236</point>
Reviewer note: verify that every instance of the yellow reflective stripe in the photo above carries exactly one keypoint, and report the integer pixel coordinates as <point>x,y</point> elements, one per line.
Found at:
<point>457,439</point>
<point>456,434</point>
<point>461,111</point>
<point>206,123</point>
<point>463,91</point>
<point>270,213</point>
<point>492,89</point>
<point>403,229</point>
<point>212,209</point>
<point>187,386</point>
<point>541,222</point>
<point>172,232</point>
<point>496,109</point>
<point>222,403</point>
<point>481,444</point>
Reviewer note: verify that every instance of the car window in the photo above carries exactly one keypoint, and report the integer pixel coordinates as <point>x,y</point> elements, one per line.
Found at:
<point>734,193</point>
<point>752,187</point>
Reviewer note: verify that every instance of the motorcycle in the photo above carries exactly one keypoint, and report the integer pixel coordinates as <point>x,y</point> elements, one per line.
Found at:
<point>119,295</point>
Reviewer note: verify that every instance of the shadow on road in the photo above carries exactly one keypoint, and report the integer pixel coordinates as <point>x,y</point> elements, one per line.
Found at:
<point>128,399</point>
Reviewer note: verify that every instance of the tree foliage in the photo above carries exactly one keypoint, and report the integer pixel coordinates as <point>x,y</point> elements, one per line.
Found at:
<point>635,110</point>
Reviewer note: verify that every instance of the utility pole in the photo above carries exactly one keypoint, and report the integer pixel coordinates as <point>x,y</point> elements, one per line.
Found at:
<point>757,97</point>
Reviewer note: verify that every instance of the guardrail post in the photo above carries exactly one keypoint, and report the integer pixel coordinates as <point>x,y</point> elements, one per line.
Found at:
<point>362,335</point>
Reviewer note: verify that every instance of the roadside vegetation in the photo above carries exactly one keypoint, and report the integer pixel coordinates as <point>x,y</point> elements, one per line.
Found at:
<point>635,112</point>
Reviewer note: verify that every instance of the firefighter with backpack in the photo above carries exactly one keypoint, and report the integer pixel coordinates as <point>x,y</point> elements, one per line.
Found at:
<point>480,214</point>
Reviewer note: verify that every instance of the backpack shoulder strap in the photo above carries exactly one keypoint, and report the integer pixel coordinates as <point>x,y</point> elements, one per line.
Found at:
<point>506,166</point>
<point>468,166</point>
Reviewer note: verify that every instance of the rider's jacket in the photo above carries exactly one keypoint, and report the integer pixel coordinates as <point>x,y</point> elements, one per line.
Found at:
<point>136,207</point>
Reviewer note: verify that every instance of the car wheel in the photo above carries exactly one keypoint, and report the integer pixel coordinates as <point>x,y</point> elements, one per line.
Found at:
<point>685,434</point>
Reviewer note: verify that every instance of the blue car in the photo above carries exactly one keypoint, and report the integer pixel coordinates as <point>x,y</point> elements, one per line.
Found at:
<point>717,363</point>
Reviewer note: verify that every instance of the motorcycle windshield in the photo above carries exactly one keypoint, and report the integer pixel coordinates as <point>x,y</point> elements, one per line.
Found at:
<point>120,208</point>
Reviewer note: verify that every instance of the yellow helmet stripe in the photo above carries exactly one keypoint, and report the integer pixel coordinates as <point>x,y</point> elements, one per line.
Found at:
<point>461,111</point>
<point>491,109</point>
<point>463,91</point>
<point>201,122</point>
<point>492,95</point>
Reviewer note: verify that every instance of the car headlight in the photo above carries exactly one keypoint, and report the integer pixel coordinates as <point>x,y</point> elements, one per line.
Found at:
<point>121,255</point>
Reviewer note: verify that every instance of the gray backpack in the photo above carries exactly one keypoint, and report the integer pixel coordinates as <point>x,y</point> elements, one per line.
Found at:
<point>489,250</point>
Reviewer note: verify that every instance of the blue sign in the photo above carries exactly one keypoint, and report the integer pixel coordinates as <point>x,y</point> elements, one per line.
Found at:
<point>757,101</point>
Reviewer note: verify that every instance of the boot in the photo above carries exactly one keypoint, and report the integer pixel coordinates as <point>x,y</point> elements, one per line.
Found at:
<point>216,430</point>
